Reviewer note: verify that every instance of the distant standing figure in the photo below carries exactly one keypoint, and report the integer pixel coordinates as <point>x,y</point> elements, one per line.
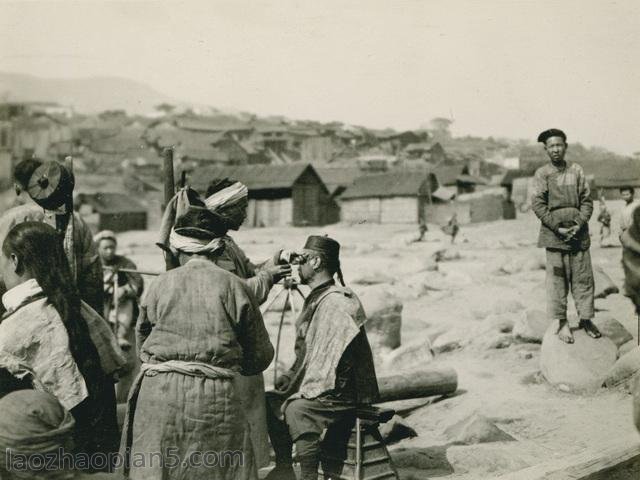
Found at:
<point>562,201</point>
<point>452,228</point>
<point>121,304</point>
<point>423,230</point>
<point>604,218</point>
<point>630,204</point>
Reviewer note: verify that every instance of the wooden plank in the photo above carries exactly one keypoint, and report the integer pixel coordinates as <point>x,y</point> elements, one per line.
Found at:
<point>593,464</point>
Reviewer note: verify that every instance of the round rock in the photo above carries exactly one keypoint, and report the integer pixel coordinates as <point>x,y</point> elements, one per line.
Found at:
<point>531,326</point>
<point>581,367</point>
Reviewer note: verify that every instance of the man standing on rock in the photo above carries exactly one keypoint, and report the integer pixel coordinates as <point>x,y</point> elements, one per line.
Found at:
<point>561,200</point>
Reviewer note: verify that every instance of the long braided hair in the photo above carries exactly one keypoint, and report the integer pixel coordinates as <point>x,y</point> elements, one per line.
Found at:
<point>39,250</point>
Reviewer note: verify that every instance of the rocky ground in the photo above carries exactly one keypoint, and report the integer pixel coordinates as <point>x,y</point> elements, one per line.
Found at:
<point>478,307</point>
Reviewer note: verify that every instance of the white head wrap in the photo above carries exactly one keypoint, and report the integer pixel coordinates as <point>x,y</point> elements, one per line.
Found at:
<point>186,244</point>
<point>227,196</point>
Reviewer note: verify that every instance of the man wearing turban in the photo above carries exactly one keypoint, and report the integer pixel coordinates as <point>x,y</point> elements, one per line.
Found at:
<point>199,328</point>
<point>229,199</point>
<point>562,201</point>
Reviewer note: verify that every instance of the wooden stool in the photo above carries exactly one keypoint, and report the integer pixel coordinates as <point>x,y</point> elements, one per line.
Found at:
<point>358,452</point>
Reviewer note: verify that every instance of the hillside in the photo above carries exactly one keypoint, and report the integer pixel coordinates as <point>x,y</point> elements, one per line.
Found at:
<point>88,95</point>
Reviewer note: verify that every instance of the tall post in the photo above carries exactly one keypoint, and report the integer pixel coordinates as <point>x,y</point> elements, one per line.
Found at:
<point>169,182</point>
<point>169,191</point>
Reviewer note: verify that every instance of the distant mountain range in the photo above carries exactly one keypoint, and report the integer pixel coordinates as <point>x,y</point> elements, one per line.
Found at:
<point>86,95</point>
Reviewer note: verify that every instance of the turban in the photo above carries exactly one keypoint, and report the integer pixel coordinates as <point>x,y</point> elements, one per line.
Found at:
<point>198,231</point>
<point>177,206</point>
<point>33,423</point>
<point>552,132</point>
<point>227,196</point>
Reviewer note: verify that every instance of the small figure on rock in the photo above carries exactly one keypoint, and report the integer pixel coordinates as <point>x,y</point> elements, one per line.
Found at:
<point>561,200</point>
<point>452,228</point>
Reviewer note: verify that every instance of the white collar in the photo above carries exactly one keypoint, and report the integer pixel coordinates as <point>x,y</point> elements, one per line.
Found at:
<point>13,298</point>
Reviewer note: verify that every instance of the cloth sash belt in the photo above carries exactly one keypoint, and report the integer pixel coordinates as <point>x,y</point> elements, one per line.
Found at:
<point>193,369</point>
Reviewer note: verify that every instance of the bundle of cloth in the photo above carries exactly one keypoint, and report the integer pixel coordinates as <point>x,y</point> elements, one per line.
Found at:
<point>34,426</point>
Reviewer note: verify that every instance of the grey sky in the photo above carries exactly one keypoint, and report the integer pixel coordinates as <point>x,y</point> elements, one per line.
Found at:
<point>501,68</point>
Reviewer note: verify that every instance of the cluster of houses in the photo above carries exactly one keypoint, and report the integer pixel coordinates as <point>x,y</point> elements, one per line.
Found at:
<point>297,172</point>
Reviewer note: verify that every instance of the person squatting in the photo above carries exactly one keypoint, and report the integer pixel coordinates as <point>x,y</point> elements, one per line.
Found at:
<point>191,367</point>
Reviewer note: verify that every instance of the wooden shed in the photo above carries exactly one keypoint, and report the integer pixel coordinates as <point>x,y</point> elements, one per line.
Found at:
<point>279,195</point>
<point>484,206</point>
<point>392,197</point>
<point>111,211</point>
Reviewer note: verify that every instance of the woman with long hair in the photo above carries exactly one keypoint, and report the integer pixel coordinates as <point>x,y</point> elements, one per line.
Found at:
<point>43,335</point>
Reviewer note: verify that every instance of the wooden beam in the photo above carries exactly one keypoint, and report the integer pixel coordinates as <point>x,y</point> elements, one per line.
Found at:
<point>622,456</point>
<point>419,383</point>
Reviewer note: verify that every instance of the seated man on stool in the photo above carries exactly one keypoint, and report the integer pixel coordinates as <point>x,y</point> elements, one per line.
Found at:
<point>333,371</point>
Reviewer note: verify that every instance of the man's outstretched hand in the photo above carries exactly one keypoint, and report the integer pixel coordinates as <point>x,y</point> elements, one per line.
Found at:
<point>278,272</point>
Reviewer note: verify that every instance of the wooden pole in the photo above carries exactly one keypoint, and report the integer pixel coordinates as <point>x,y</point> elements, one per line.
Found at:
<point>418,383</point>
<point>170,261</point>
<point>133,270</point>
<point>169,182</point>
<point>116,301</point>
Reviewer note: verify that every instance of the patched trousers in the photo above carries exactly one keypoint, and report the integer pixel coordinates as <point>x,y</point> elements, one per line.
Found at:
<point>569,271</point>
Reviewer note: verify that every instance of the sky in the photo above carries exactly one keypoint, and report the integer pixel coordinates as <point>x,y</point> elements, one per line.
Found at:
<point>495,67</point>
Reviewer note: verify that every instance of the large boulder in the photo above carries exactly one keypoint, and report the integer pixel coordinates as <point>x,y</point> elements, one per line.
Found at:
<point>407,356</point>
<point>627,367</point>
<point>384,319</point>
<point>492,460</point>
<point>626,347</point>
<point>604,284</point>
<point>515,265</point>
<point>384,316</point>
<point>475,429</point>
<point>507,306</point>
<point>451,340</point>
<point>373,278</point>
<point>580,367</point>
<point>396,429</point>
<point>502,323</point>
<point>425,462</point>
<point>613,329</point>
<point>530,326</point>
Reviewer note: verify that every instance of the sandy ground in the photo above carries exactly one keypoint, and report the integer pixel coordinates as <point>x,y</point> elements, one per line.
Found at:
<point>501,384</point>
